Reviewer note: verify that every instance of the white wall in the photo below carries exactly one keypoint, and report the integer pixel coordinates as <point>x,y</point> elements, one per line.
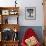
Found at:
<point>39,12</point>
<point>27,3</point>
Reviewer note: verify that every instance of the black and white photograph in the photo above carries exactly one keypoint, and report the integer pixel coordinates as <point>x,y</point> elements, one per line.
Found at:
<point>30,13</point>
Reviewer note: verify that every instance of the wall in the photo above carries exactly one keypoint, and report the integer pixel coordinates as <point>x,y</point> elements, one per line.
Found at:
<point>39,13</point>
<point>25,3</point>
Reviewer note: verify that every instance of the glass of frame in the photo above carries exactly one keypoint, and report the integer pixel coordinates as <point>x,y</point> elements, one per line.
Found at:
<point>30,13</point>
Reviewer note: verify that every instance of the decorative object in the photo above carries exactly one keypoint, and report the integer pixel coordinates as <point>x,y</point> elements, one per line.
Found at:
<point>15,3</point>
<point>13,12</point>
<point>5,12</point>
<point>7,34</point>
<point>30,38</point>
<point>15,37</point>
<point>31,41</point>
<point>15,30</point>
<point>30,13</point>
<point>6,21</point>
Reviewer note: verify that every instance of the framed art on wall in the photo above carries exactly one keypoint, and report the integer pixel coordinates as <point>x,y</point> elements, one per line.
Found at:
<point>30,13</point>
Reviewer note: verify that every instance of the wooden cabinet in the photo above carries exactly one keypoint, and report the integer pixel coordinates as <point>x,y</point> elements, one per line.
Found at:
<point>10,43</point>
<point>8,25</point>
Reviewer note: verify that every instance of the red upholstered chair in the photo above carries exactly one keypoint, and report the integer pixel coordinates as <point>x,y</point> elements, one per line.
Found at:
<point>29,33</point>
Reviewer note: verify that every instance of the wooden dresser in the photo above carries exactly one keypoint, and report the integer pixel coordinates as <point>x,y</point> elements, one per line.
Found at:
<point>5,25</point>
<point>10,43</point>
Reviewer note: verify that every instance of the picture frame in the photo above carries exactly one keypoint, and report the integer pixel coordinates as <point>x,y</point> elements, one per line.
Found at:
<point>30,13</point>
<point>5,12</point>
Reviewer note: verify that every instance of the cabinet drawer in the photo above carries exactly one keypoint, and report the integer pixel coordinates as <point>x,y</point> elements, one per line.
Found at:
<point>10,43</point>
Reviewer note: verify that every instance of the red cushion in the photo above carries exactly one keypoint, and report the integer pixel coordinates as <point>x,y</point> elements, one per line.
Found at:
<point>29,33</point>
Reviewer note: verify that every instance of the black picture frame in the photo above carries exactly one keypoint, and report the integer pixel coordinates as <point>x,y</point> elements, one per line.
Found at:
<point>30,13</point>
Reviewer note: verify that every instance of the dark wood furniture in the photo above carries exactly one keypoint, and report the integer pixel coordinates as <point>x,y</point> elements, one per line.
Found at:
<point>4,13</point>
<point>10,43</point>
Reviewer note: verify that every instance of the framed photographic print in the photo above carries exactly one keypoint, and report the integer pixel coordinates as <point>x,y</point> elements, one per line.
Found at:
<point>30,13</point>
<point>5,12</point>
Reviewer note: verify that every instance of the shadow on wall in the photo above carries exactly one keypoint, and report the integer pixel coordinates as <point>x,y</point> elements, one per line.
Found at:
<point>37,29</point>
